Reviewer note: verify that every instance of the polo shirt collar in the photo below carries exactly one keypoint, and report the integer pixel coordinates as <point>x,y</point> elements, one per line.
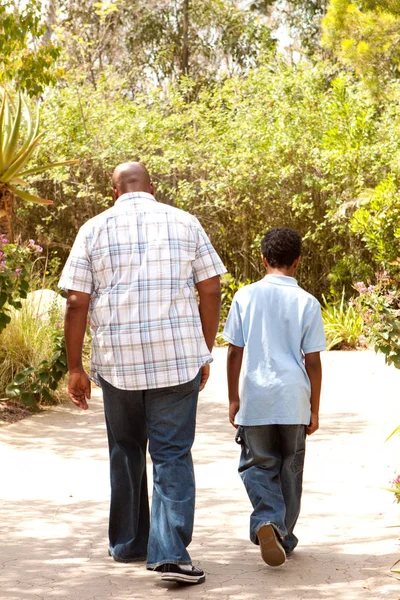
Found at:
<point>280,279</point>
<point>134,196</point>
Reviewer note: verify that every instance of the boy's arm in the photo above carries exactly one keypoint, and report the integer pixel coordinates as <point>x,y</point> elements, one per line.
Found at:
<point>314,372</point>
<point>234,364</point>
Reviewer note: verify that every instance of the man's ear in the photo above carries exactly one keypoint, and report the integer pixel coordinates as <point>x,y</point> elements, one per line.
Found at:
<point>152,190</point>
<point>115,193</point>
<point>264,261</point>
<point>296,262</point>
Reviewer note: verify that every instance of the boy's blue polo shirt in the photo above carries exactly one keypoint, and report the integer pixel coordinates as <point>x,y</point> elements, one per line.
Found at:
<point>277,322</point>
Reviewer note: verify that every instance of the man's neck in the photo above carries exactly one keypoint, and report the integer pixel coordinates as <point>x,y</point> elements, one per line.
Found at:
<point>287,272</point>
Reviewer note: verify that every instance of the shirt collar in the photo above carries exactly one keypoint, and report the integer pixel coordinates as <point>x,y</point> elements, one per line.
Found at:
<point>135,196</point>
<point>280,279</point>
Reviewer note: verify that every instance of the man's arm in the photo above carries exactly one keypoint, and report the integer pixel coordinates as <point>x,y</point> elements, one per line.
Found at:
<point>234,364</point>
<point>209,307</point>
<point>314,372</point>
<point>74,328</point>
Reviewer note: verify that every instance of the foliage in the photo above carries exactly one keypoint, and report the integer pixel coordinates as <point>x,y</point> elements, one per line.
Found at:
<point>229,287</point>
<point>364,35</point>
<point>282,145</point>
<point>34,385</point>
<point>377,221</point>
<point>15,261</point>
<point>154,41</point>
<point>30,336</point>
<point>396,488</point>
<point>380,307</point>
<point>26,58</point>
<point>16,150</point>
<point>342,323</point>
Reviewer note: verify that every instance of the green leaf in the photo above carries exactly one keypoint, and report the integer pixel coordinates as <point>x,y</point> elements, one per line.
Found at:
<point>3,299</point>
<point>12,142</point>
<point>37,170</point>
<point>28,197</point>
<point>44,376</point>
<point>28,399</point>
<point>47,396</point>
<point>27,371</point>
<point>19,378</point>
<point>13,391</point>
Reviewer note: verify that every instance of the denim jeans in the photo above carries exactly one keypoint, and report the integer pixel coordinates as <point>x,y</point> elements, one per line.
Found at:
<point>271,468</point>
<point>166,418</point>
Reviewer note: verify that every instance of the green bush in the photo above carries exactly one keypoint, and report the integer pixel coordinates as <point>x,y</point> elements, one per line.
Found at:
<point>342,323</point>
<point>28,340</point>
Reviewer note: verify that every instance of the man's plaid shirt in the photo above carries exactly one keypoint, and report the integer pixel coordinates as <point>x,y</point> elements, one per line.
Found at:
<point>140,261</point>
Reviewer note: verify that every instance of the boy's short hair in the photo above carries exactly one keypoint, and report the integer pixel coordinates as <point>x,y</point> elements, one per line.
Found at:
<point>281,246</point>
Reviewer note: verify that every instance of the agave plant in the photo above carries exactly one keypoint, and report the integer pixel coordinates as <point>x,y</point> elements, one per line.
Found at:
<point>17,146</point>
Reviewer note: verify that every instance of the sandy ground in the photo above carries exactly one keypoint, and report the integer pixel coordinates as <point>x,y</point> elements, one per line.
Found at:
<point>54,502</point>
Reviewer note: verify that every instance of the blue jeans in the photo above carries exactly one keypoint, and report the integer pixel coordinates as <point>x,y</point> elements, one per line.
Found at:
<point>271,468</point>
<point>166,418</point>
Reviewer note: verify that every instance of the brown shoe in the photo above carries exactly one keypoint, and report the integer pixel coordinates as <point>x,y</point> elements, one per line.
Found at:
<point>272,552</point>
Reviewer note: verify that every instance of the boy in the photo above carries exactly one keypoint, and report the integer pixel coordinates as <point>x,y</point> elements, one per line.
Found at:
<point>279,326</point>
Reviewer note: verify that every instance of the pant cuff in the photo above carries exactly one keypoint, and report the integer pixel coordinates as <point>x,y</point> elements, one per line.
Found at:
<point>154,566</point>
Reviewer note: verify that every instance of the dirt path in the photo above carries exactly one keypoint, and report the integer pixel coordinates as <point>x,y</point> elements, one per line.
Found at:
<point>54,502</point>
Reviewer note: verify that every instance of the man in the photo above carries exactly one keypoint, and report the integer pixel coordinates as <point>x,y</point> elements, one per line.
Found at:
<point>135,268</point>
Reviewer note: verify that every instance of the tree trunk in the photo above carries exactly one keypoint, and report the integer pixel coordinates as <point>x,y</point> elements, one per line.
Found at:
<point>50,21</point>
<point>6,213</point>
<point>185,38</point>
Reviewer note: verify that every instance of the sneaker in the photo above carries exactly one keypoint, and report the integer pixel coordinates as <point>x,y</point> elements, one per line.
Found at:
<point>272,552</point>
<point>182,573</point>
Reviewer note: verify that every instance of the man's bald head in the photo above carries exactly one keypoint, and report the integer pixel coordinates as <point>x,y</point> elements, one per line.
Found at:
<point>131,177</point>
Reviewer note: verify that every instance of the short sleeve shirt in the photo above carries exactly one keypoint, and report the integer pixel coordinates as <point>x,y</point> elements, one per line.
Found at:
<point>140,261</point>
<point>277,323</point>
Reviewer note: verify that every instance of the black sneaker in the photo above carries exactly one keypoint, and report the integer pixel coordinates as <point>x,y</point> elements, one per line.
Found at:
<point>182,573</point>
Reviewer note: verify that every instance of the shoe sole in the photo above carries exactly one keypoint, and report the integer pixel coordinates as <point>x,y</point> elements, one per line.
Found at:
<point>182,578</point>
<point>272,552</point>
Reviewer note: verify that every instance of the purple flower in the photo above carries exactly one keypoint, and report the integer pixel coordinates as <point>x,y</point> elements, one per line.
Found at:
<point>370,288</point>
<point>18,272</point>
<point>361,287</point>
<point>38,248</point>
<point>31,242</point>
<point>2,265</point>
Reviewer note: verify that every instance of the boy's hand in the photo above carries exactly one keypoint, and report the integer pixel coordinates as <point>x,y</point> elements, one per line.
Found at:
<point>314,424</point>
<point>234,406</point>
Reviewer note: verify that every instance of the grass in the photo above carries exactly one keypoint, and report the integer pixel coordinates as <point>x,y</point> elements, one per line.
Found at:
<point>342,323</point>
<point>26,341</point>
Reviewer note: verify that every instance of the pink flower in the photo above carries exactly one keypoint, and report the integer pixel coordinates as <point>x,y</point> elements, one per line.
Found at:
<point>18,272</point>
<point>38,248</point>
<point>361,287</point>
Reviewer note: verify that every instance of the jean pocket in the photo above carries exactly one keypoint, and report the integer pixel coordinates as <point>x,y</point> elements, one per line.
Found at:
<point>188,386</point>
<point>298,461</point>
<point>238,436</point>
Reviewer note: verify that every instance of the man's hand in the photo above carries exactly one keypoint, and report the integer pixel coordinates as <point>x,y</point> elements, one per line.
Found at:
<point>205,374</point>
<point>234,406</point>
<point>314,424</point>
<point>79,389</point>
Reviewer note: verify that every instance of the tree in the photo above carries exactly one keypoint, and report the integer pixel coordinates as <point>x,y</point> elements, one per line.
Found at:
<point>25,60</point>
<point>364,36</point>
<point>157,41</point>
